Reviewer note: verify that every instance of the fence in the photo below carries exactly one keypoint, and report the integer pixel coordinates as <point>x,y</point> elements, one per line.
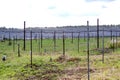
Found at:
<point>62,41</point>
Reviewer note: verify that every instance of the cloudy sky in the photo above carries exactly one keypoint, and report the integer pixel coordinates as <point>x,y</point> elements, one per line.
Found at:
<point>48,13</point>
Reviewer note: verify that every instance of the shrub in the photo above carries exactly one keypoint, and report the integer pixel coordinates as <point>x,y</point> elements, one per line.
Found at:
<point>114,44</point>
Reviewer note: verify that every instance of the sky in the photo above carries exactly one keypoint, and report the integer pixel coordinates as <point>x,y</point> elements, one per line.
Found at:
<point>52,13</point>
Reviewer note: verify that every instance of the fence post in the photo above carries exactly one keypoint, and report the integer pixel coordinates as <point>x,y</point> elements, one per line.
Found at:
<point>39,43</point>
<point>54,38</point>
<point>88,50</point>
<point>97,33</point>
<point>41,38</point>
<point>78,41</point>
<point>63,44</point>
<point>18,50</point>
<point>24,37</point>
<point>31,47</point>
<point>113,44</point>
<point>72,37</point>
<point>16,38</point>
<point>103,46</point>
<point>13,43</point>
<point>116,39</point>
<point>111,34</point>
<point>9,39</point>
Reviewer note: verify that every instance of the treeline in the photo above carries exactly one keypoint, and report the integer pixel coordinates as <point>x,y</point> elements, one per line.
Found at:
<point>55,28</point>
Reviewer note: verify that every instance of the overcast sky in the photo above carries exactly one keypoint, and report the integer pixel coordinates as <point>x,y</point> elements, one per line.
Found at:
<point>45,13</point>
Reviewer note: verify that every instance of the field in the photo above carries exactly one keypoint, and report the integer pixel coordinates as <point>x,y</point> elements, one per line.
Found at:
<point>48,62</point>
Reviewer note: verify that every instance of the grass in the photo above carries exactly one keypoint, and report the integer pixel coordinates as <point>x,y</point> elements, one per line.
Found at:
<point>49,65</point>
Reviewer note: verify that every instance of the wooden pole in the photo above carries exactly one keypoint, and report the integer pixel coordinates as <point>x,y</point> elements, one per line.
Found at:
<point>88,50</point>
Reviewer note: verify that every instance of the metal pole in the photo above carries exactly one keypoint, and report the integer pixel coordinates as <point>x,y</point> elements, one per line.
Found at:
<point>63,44</point>
<point>103,46</point>
<point>113,44</point>
<point>72,37</point>
<point>54,40</point>
<point>9,39</point>
<point>24,36</point>
<point>78,41</point>
<point>13,43</point>
<point>18,50</point>
<point>116,39</point>
<point>39,43</point>
<point>31,46</point>
<point>88,50</point>
<point>16,38</point>
<point>41,38</point>
<point>97,33</point>
<point>111,34</point>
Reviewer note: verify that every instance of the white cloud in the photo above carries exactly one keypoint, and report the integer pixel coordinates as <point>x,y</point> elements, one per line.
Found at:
<point>57,12</point>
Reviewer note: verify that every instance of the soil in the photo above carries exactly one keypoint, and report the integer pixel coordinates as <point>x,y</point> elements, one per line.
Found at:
<point>75,73</point>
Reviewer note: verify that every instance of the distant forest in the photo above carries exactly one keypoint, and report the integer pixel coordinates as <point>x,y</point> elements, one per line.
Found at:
<point>57,27</point>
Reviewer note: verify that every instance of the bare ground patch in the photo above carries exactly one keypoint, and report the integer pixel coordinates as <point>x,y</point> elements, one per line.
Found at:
<point>75,73</point>
<point>67,74</point>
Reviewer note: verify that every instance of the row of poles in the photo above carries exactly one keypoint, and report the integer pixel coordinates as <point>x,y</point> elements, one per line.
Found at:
<point>88,60</point>
<point>24,47</point>
<point>88,36</point>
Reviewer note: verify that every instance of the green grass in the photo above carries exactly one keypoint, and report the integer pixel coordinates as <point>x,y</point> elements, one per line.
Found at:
<point>45,65</point>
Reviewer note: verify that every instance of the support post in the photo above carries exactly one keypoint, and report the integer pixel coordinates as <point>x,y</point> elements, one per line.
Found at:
<point>13,43</point>
<point>78,41</point>
<point>31,47</point>
<point>9,39</point>
<point>116,40</point>
<point>63,44</point>
<point>103,47</point>
<point>88,65</point>
<point>18,50</point>
<point>113,44</point>
<point>39,43</point>
<point>97,33</point>
<point>54,38</point>
<point>24,37</point>
<point>111,34</point>
<point>41,39</point>
<point>72,37</point>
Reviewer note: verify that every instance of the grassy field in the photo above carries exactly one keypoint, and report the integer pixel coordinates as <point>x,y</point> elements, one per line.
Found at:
<point>49,64</point>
